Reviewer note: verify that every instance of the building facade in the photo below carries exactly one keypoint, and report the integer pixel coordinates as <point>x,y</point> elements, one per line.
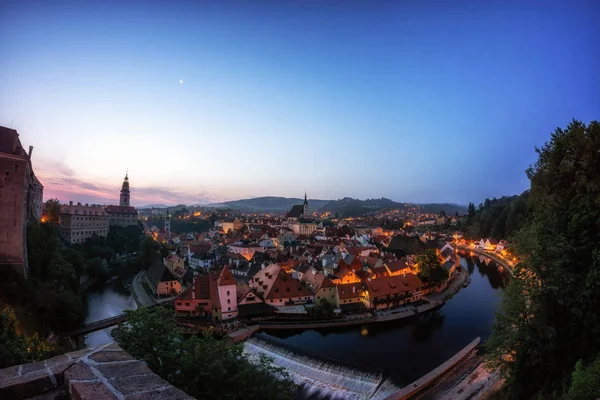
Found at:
<point>20,199</point>
<point>80,222</point>
<point>123,214</point>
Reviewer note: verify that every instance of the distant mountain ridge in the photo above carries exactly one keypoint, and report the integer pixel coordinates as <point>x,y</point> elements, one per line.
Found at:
<point>269,204</point>
<point>346,207</point>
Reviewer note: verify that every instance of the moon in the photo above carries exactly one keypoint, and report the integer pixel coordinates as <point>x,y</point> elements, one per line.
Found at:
<point>180,81</point>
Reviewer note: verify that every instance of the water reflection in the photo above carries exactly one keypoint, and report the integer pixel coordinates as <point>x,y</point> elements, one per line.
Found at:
<point>426,325</point>
<point>497,277</point>
<point>105,302</point>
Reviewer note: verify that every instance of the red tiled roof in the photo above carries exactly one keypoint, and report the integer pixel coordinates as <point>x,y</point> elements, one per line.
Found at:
<point>317,280</point>
<point>200,287</point>
<point>349,290</point>
<point>286,286</point>
<point>356,264</point>
<point>395,266</point>
<point>225,277</point>
<point>389,285</point>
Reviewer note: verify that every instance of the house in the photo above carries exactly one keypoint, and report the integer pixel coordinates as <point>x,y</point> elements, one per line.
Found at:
<point>344,274</point>
<point>246,250</point>
<point>404,245</point>
<point>278,288</point>
<point>490,244</point>
<point>204,260</point>
<point>214,295</point>
<point>175,264</point>
<point>250,304</point>
<point>161,281</point>
<point>285,239</point>
<point>322,287</point>
<point>501,246</point>
<point>352,297</point>
<point>397,267</point>
<point>393,291</point>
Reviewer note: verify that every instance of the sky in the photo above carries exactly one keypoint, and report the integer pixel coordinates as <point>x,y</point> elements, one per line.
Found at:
<point>206,101</point>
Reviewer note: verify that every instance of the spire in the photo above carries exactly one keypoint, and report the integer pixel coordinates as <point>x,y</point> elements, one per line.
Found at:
<point>127,174</point>
<point>305,198</point>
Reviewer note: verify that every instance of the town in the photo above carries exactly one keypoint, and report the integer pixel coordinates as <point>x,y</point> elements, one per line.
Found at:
<point>233,273</point>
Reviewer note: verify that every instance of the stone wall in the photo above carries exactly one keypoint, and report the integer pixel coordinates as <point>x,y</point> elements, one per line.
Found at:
<point>102,373</point>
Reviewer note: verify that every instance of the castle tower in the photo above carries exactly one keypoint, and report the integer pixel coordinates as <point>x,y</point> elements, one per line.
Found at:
<point>124,199</point>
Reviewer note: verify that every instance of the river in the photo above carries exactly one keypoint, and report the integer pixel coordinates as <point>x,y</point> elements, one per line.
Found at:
<point>407,349</point>
<point>106,301</point>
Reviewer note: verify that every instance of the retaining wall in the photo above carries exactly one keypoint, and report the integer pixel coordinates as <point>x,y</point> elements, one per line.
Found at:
<point>100,373</point>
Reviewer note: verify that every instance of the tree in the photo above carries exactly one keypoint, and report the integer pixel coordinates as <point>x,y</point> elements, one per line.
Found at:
<point>17,348</point>
<point>548,318</point>
<point>14,346</point>
<point>148,252</point>
<point>52,211</point>
<point>585,381</point>
<point>97,269</point>
<point>430,269</point>
<point>226,372</point>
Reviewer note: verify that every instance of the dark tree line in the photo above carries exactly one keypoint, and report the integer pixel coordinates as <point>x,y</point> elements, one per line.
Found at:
<point>496,218</point>
<point>546,338</point>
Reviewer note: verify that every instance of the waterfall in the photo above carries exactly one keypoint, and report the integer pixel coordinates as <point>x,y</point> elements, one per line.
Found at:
<point>329,378</point>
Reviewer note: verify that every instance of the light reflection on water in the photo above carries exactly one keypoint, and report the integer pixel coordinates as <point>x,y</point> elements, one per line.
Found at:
<point>109,301</point>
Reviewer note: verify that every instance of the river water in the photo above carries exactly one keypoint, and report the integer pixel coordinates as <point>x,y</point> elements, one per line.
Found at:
<point>407,349</point>
<point>106,301</point>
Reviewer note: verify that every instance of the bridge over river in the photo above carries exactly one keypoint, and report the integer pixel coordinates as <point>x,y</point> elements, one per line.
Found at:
<point>98,325</point>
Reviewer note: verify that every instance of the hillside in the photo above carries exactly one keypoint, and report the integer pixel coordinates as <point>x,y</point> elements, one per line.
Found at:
<point>449,208</point>
<point>348,207</point>
<point>269,204</point>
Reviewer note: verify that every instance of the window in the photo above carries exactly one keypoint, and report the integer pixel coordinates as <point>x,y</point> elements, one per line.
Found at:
<point>228,293</point>
<point>228,301</point>
<point>228,308</point>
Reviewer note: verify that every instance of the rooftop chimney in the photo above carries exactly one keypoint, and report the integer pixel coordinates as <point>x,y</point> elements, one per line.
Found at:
<point>30,151</point>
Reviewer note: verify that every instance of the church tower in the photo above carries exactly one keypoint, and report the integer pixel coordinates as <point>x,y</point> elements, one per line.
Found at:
<point>305,206</point>
<point>124,199</point>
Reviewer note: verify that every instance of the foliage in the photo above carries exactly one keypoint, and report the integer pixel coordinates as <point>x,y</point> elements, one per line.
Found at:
<point>496,218</point>
<point>322,310</point>
<point>430,269</point>
<point>52,290</point>
<point>226,372</point>
<point>585,381</point>
<point>549,317</point>
<point>52,211</point>
<point>148,252</point>
<point>97,269</point>
<point>17,348</point>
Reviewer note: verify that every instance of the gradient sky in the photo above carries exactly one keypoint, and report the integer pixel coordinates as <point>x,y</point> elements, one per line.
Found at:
<point>420,101</point>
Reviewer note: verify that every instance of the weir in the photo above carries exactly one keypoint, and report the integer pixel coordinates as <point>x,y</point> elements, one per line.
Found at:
<point>329,378</point>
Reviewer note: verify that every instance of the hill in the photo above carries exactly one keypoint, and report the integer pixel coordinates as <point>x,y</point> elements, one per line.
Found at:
<point>269,204</point>
<point>449,208</point>
<point>348,207</point>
